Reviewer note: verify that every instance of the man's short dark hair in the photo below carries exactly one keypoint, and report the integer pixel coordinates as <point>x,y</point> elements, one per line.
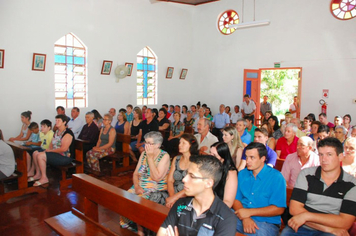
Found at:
<point>76,108</point>
<point>163,110</point>
<point>209,166</point>
<point>46,122</point>
<point>177,106</point>
<point>308,118</point>
<point>129,105</point>
<point>246,96</point>
<point>323,128</point>
<point>262,130</point>
<point>249,118</point>
<point>332,142</point>
<point>171,106</point>
<point>165,105</point>
<point>33,125</point>
<point>194,106</point>
<point>60,107</point>
<point>261,149</point>
<point>315,122</point>
<point>237,106</point>
<point>322,114</point>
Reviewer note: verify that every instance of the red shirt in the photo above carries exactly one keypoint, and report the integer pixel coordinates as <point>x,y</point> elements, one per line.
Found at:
<point>168,115</point>
<point>286,149</point>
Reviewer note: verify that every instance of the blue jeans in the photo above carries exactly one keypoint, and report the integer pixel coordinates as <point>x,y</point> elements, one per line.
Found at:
<point>265,229</point>
<point>288,231</point>
<point>133,146</point>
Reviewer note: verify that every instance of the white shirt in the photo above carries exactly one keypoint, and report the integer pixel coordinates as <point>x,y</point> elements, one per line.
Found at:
<point>76,126</point>
<point>293,108</point>
<point>209,140</point>
<point>248,109</point>
<point>114,120</point>
<point>235,117</point>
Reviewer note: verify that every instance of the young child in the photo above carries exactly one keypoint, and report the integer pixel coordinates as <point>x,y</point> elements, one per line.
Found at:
<point>129,114</point>
<point>45,136</point>
<point>34,142</point>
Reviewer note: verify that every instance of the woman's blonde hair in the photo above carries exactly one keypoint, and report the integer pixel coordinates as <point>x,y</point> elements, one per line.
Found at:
<point>236,141</point>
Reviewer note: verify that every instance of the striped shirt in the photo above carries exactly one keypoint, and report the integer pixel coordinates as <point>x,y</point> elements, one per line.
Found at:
<point>339,197</point>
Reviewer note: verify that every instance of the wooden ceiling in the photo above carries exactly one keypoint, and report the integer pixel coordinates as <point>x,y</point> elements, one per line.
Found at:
<point>190,2</point>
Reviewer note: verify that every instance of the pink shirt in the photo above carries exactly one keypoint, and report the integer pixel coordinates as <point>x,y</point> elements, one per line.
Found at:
<point>292,166</point>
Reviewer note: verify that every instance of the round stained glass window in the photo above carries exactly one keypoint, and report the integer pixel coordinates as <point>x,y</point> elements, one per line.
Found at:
<point>343,9</point>
<point>227,18</point>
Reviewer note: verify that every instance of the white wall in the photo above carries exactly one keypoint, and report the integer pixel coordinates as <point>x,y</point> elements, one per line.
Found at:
<point>111,30</point>
<point>301,34</point>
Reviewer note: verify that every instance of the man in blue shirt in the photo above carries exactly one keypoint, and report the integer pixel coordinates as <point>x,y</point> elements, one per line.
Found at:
<point>220,121</point>
<point>261,195</point>
<point>241,125</point>
<point>261,136</point>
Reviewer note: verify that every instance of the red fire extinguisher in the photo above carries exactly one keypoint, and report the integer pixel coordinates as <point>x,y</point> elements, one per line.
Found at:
<point>324,106</point>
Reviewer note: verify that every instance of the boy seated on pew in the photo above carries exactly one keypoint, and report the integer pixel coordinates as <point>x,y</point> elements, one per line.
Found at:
<point>45,136</point>
<point>202,212</point>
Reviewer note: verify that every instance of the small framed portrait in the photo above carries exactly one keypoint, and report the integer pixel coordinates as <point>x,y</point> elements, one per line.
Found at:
<point>2,56</point>
<point>39,62</point>
<point>183,73</point>
<point>106,68</point>
<point>129,65</point>
<point>169,73</point>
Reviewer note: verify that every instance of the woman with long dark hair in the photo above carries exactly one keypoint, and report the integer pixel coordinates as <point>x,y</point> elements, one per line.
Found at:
<point>25,132</point>
<point>277,133</point>
<point>188,146</point>
<point>227,187</point>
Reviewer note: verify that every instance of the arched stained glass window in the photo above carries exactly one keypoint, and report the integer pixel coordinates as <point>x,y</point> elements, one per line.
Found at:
<point>146,77</point>
<point>227,18</point>
<point>343,9</point>
<point>70,72</point>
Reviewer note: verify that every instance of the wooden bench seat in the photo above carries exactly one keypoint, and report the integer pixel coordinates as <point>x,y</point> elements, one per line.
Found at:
<point>121,158</point>
<point>97,192</point>
<point>14,177</point>
<point>76,165</point>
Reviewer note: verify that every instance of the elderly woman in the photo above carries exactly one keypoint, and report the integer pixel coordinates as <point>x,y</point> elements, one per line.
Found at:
<point>188,146</point>
<point>150,176</point>
<point>122,125</point>
<point>227,187</point>
<point>189,121</point>
<point>59,153</point>
<point>288,143</point>
<point>233,140</point>
<point>105,145</point>
<point>90,132</point>
<point>349,161</point>
<point>340,133</point>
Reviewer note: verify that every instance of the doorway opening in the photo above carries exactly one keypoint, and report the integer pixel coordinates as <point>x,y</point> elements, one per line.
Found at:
<point>281,85</point>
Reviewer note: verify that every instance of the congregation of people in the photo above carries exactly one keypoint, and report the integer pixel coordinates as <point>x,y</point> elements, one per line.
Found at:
<point>216,172</point>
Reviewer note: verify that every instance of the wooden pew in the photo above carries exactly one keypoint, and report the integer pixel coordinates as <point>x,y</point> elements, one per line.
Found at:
<point>123,156</point>
<point>21,160</point>
<point>76,164</point>
<point>97,192</point>
<point>279,164</point>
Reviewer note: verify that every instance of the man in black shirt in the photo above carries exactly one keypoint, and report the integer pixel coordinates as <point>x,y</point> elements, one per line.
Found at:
<point>202,213</point>
<point>145,127</point>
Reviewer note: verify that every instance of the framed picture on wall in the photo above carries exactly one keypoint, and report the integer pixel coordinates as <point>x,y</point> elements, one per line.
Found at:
<point>106,68</point>
<point>169,73</point>
<point>2,56</point>
<point>39,62</point>
<point>183,73</point>
<point>129,65</point>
